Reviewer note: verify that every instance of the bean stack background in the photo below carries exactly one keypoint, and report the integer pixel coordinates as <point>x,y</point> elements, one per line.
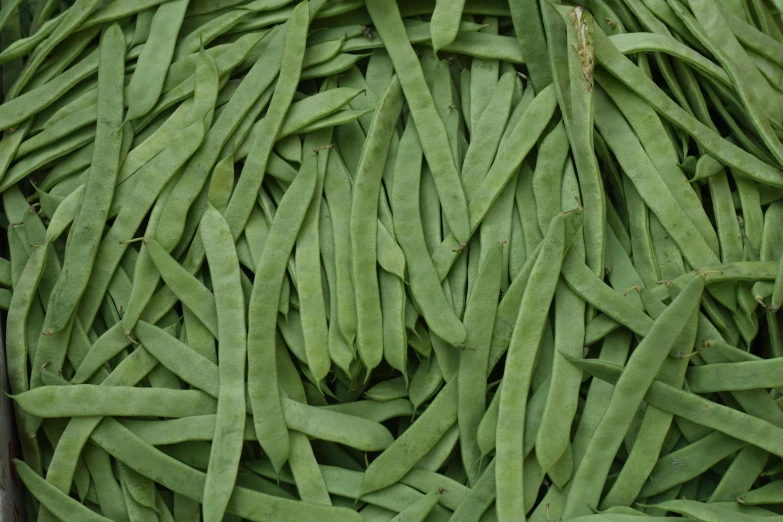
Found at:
<point>370,260</point>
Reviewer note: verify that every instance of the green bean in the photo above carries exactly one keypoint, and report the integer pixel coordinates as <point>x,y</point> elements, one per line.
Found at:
<point>424,281</point>
<point>501,171</point>
<point>58,131</point>
<point>599,295</point>
<point>517,252</point>
<point>118,10</point>
<point>451,492</point>
<point>430,128</point>
<point>526,207</point>
<point>247,99</point>
<point>5,272</point>
<point>185,480</point>
<point>690,461</point>
<point>444,98</point>
<point>337,190</point>
<point>697,409</point>
<point>107,489</point>
<point>45,156</point>
<point>651,136</point>
<point>142,30</point>
<point>136,511</point>
<point>618,517</point>
<point>388,390</point>
<point>414,443</point>
<point>496,226</point>
<point>427,379</point>
<point>54,430</point>
<point>146,285</point>
<point>373,513</point>
<point>478,499</point>
<point>484,75</point>
<point>269,275</point>
<point>155,59</point>
<point>347,484</point>
<point>751,37</point>
<point>82,400</point>
<point>667,255</point>
<point>635,42</point>
<point>777,289</point>
<point>530,34</point>
<point>329,34</point>
<point>379,72</point>
<point>744,375</point>
<point>242,200</point>
<point>535,302</point>
<point>488,132</point>
<point>688,238</point>
<point>308,266</point>
<point>727,153</point>
<point>98,191</point>
<point>493,8</point>
<point>437,457</point>
<point>322,52</point>
<point>480,319</point>
<point>6,11</point>
<point>211,29</point>
<point>486,46</point>
<point>24,296</point>
<point>21,47</point>
<point>650,353</point>
<point>196,296</point>
<point>336,119</point>
<point>9,146</point>
<point>375,411</point>
<point>445,22</point>
<point>703,511</point>
<point>54,499</point>
<point>419,510</point>
<point>140,488</point>
<point>61,470</point>
<point>211,6</point>
<point>368,436</point>
<point>307,475</point>
<point>729,52</point>
<point>745,468</point>
<point>71,19</point>
<point>187,188</point>
<point>369,331</point>
<point>655,423</point>
<point>69,51</point>
<point>67,167</point>
<point>227,443</point>
<point>561,402</point>
<point>16,344</point>
<point>335,65</point>
<point>575,97</point>
<point>290,149</point>
<point>739,271</point>
<point>752,215</point>
<point>767,494</point>
<point>340,350</point>
<point>548,173</point>
<point>146,150</point>
<point>393,301</point>
<point>390,255</point>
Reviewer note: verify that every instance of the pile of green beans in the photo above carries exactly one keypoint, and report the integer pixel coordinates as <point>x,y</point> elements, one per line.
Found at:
<point>394,260</point>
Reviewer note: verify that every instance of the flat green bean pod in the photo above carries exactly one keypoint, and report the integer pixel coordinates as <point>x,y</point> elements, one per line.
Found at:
<point>394,261</point>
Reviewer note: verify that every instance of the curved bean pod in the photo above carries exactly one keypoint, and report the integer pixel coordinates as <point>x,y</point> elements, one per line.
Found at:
<point>432,133</point>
